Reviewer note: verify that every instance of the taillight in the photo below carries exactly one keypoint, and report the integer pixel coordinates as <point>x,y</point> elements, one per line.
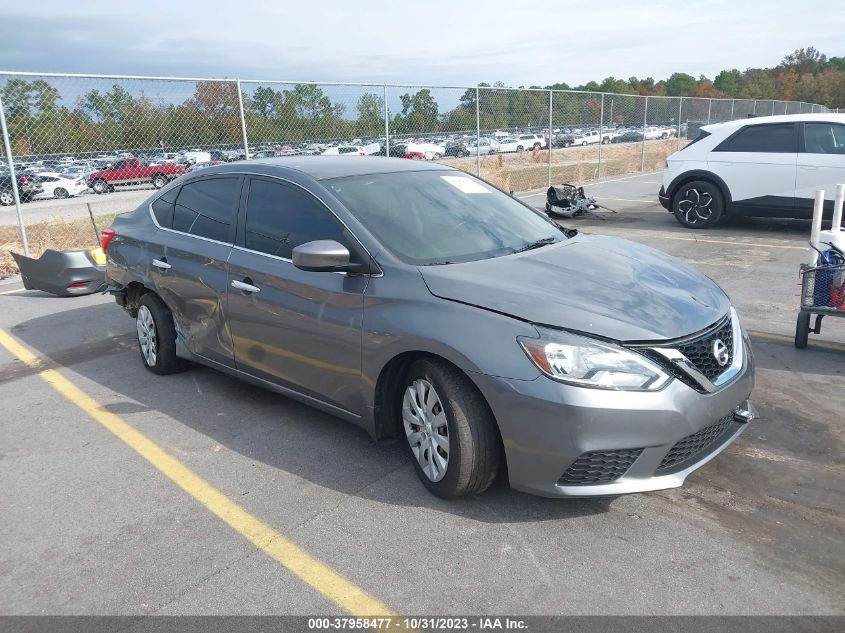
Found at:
<point>106,236</point>
<point>78,285</point>
<point>78,183</point>
<point>24,180</point>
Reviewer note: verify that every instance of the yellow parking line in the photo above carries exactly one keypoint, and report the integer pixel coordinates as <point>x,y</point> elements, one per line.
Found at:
<point>312,571</point>
<point>11,292</point>
<point>835,347</point>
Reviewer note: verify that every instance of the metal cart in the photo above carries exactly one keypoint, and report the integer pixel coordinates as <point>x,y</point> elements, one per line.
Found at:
<point>822,294</point>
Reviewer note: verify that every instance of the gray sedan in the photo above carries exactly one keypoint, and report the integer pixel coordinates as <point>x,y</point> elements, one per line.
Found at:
<point>417,301</point>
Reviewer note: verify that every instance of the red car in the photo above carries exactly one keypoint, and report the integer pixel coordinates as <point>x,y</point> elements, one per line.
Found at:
<point>133,171</point>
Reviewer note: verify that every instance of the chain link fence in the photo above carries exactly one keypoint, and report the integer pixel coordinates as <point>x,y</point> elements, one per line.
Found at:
<point>79,149</point>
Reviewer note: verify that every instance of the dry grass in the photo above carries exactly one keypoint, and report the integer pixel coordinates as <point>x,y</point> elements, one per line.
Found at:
<point>530,170</point>
<point>56,234</point>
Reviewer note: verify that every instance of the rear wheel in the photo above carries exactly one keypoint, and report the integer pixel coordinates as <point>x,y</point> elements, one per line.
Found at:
<point>698,204</point>
<point>450,430</point>
<point>520,149</point>
<point>159,181</point>
<point>6,198</point>
<point>60,192</point>
<point>583,143</point>
<point>536,146</point>
<point>157,336</point>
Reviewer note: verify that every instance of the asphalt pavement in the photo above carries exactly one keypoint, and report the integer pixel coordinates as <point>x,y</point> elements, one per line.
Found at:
<point>129,493</point>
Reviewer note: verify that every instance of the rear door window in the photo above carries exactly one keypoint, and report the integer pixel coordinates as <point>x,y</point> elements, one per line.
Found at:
<point>207,208</point>
<point>163,208</point>
<point>769,138</point>
<point>824,138</point>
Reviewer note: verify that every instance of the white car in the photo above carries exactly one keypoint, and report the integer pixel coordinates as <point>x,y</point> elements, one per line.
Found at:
<point>431,151</point>
<point>483,146</point>
<point>522,142</point>
<point>764,167</point>
<point>344,150</point>
<point>58,185</point>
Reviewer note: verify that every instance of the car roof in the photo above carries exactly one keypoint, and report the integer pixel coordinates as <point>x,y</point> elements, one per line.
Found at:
<point>324,167</point>
<point>830,117</point>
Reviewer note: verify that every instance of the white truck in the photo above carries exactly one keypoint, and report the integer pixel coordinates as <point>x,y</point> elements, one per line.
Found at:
<point>654,132</point>
<point>592,137</point>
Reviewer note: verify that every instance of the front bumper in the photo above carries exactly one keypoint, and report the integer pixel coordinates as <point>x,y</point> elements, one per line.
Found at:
<point>547,426</point>
<point>665,200</point>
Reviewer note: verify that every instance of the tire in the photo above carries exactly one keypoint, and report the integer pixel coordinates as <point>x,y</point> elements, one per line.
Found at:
<point>584,144</point>
<point>157,336</point>
<point>664,136</point>
<point>60,192</point>
<point>698,204</point>
<point>472,445</point>
<point>536,147</point>
<point>802,330</point>
<point>605,141</point>
<point>99,186</point>
<point>6,198</point>
<point>159,181</point>
<point>520,149</point>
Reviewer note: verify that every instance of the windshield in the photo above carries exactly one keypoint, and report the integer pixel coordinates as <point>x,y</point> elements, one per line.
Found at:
<point>441,217</point>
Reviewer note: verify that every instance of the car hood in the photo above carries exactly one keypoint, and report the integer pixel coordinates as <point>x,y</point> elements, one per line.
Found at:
<point>605,286</point>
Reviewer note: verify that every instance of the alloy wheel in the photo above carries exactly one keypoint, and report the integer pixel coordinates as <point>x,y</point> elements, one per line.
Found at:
<point>6,198</point>
<point>147,336</point>
<point>426,428</point>
<point>696,206</point>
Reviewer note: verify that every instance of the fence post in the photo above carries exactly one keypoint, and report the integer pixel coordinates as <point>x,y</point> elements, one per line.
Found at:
<point>243,119</point>
<point>773,107</point>
<point>601,134</point>
<point>386,125</point>
<point>477,133</point>
<point>732,109</point>
<point>680,113</point>
<point>8,147</point>
<point>645,123</point>
<point>551,92</point>
<point>709,109</point>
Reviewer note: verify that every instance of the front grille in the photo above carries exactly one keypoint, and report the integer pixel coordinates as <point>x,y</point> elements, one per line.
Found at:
<point>696,446</point>
<point>598,467</point>
<point>700,351</point>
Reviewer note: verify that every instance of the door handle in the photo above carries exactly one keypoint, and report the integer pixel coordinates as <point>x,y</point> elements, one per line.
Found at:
<point>244,287</point>
<point>163,265</point>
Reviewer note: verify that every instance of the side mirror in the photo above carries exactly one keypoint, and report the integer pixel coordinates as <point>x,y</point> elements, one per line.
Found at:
<point>321,256</point>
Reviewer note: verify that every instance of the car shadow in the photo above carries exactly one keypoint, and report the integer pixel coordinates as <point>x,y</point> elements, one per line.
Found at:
<point>260,425</point>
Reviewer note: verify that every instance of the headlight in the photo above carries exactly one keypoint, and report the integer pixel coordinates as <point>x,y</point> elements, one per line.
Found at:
<point>584,362</point>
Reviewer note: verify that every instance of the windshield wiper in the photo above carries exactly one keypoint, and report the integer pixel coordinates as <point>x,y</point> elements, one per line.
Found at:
<point>443,263</point>
<point>536,244</point>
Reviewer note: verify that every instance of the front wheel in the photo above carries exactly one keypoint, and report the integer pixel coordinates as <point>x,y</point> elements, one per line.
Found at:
<point>99,186</point>
<point>157,336</point>
<point>698,204</point>
<point>450,430</point>
<point>802,330</point>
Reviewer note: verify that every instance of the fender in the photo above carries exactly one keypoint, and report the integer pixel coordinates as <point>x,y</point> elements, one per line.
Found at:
<point>701,174</point>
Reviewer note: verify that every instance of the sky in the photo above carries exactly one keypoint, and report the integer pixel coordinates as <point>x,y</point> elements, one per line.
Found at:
<point>454,42</point>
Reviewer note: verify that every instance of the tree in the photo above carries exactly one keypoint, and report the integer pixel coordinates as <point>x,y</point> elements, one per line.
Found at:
<point>370,114</point>
<point>805,60</point>
<point>681,85</point>
<point>729,82</point>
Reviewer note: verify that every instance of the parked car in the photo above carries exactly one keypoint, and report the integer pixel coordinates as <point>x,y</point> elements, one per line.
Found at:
<point>486,146</point>
<point>132,171</point>
<point>405,297</point>
<point>28,188</point>
<point>766,167</point>
<point>57,185</point>
<point>629,136</point>
<point>563,139</point>
<point>456,148</point>
<point>431,151</point>
<point>344,150</point>
<point>522,142</point>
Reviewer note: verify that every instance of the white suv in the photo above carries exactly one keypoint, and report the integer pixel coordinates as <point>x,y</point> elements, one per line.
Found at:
<point>766,167</point>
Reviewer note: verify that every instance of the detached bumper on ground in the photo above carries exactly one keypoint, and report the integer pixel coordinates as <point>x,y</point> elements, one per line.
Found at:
<point>64,273</point>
